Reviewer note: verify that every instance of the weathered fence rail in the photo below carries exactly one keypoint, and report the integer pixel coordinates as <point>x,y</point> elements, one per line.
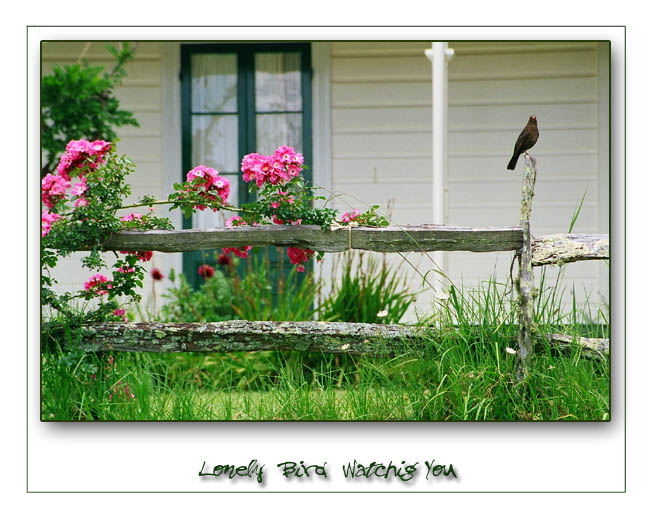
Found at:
<point>314,336</point>
<point>387,239</point>
<point>240,335</point>
<point>547,249</point>
<point>561,249</point>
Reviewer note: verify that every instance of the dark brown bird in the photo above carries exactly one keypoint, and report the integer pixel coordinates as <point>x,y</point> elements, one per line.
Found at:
<point>526,140</point>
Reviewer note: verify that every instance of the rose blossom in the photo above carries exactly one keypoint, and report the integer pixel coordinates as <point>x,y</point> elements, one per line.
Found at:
<point>224,259</point>
<point>350,216</point>
<point>241,252</point>
<point>80,187</point>
<point>206,271</point>
<point>274,169</point>
<point>46,221</point>
<point>82,153</point>
<point>212,181</point>
<point>121,312</point>
<point>144,256</point>
<point>131,216</point>
<point>78,152</point>
<point>53,189</point>
<point>94,281</point>
<point>299,256</point>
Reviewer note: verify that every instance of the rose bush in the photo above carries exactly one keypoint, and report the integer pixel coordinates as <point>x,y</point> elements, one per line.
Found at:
<point>81,199</point>
<point>83,195</point>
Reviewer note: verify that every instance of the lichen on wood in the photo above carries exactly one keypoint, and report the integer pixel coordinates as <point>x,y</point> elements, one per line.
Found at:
<point>240,335</point>
<point>591,347</point>
<point>251,336</point>
<point>525,281</point>
<point>564,248</point>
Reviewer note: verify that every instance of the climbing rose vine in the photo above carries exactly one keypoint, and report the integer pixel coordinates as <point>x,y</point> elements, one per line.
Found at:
<point>82,196</point>
<point>283,197</point>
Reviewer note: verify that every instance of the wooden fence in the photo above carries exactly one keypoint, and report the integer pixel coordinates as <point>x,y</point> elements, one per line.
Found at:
<point>346,337</point>
<point>547,249</point>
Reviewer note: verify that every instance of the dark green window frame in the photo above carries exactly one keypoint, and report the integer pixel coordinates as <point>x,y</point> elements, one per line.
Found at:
<point>246,104</point>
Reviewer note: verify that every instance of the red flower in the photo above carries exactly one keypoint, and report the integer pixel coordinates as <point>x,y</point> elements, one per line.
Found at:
<point>298,256</point>
<point>224,259</point>
<point>241,252</point>
<point>206,271</point>
<point>144,256</point>
<point>157,274</point>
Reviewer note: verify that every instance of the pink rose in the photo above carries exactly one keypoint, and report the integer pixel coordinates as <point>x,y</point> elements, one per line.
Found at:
<point>275,169</point>
<point>131,216</point>
<point>98,280</point>
<point>46,222</point>
<point>212,181</point>
<point>80,187</point>
<point>53,189</point>
<point>82,153</point>
<point>350,216</point>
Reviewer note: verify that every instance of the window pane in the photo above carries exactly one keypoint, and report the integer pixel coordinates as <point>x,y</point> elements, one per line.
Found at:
<point>274,130</point>
<point>215,142</point>
<point>278,82</point>
<point>214,82</point>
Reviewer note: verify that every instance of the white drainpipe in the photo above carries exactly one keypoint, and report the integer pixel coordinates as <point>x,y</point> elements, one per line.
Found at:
<point>439,56</point>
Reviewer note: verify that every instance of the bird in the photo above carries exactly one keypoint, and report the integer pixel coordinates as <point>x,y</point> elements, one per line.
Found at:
<point>526,140</point>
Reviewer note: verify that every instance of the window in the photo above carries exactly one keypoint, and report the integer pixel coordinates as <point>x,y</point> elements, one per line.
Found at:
<point>238,99</point>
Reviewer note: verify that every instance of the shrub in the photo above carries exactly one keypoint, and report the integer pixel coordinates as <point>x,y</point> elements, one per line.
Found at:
<point>77,102</point>
<point>210,302</point>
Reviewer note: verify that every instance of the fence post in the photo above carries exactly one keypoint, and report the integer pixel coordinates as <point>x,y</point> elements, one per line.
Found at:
<point>525,280</point>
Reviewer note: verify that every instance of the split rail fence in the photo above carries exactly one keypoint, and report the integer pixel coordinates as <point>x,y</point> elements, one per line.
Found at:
<point>238,335</point>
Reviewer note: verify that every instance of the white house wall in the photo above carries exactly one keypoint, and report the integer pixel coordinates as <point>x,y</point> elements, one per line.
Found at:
<point>382,144</point>
<point>381,99</point>
<point>493,88</point>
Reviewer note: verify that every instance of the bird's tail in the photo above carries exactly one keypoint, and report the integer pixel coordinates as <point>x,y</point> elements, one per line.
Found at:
<point>512,162</point>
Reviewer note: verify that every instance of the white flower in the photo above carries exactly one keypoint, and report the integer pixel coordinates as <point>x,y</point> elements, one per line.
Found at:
<point>382,314</point>
<point>510,350</point>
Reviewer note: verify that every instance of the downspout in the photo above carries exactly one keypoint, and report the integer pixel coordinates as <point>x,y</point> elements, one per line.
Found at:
<point>439,56</point>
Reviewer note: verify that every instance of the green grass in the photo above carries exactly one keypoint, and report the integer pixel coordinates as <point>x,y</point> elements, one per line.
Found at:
<point>464,373</point>
<point>451,386</point>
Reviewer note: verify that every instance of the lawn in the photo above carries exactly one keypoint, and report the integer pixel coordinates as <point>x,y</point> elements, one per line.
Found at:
<point>464,371</point>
